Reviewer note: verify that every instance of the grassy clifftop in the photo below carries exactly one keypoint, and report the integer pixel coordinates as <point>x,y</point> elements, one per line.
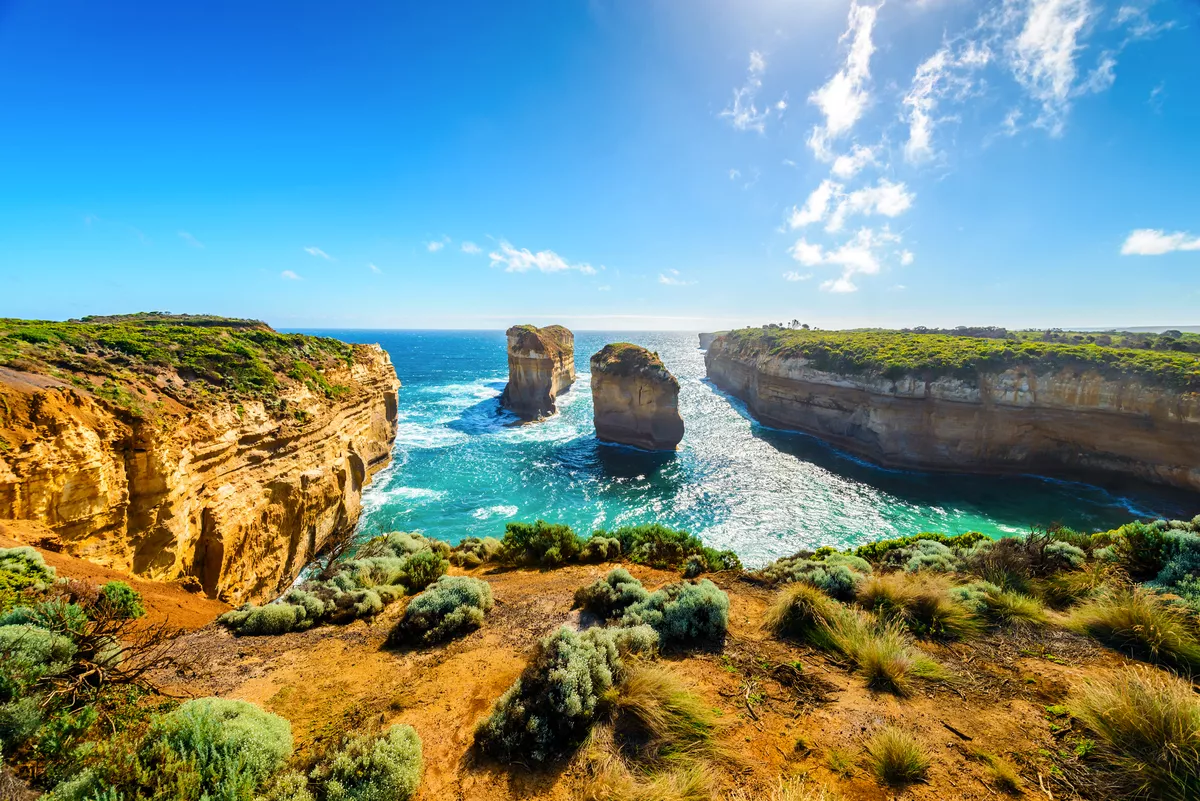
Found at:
<point>190,358</point>
<point>893,354</point>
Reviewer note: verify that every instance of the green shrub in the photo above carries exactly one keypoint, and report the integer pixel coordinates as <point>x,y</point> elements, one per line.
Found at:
<point>272,619</point>
<point>610,596</point>
<point>836,574</point>
<point>1141,549</point>
<point>1148,725</point>
<point>897,757</point>
<point>473,552</point>
<point>386,768</point>
<point>29,653</point>
<point>1142,624</point>
<point>663,547</point>
<point>57,615</point>
<point>450,607</point>
<point>27,562</point>
<point>19,720</point>
<point>121,601</point>
<point>929,555</point>
<point>682,613</point>
<point>552,706</point>
<point>421,570</point>
<point>600,549</point>
<point>540,543</point>
<point>880,550</point>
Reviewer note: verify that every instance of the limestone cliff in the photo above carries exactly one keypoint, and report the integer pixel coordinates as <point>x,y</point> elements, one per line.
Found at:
<point>707,338</point>
<point>235,477</point>
<point>636,399</point>
<point>1049,419</point>
<point>541,364</point>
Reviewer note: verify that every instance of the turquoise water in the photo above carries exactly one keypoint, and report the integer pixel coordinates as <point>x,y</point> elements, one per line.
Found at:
<point>462,467</point>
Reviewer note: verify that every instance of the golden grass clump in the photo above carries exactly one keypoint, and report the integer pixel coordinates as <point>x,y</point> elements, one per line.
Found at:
<point>802,612</point>
<point>1140,623</point>
<point>1148,726</point>
<point>922,602</point>
<point>881,652</point>
<point>660,744</point>
<point>794,789</point>
<point>897,757</point>
<point>1009,608</point>
<point>1003,775</point>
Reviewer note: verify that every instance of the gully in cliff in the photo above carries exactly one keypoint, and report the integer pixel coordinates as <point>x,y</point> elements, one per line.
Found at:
<point>636,399</point>
<point>541,364</point>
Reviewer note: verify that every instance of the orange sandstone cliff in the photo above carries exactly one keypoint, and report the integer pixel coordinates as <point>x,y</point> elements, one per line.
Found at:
<point>541,365</point>
<point>636,398</point>
<point>139,464</point>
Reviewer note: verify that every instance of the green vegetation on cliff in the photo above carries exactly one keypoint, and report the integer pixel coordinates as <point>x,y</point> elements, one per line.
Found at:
<point>893,354</point>
<point>626,359</point>
<point>114,356</point>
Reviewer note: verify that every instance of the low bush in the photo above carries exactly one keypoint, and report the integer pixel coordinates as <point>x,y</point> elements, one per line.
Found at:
<point>897,757</point>
<point>659,546</point>
<point>929,555</point>
<point>1140,623</point>
<point>553,704</point>
<point>1148,725</point>
<point>600,549</point>
<point>609,597</point>
<point>385,569</point>
<point>540,543</point>
<point>386,768</point>
<point>56,614</point>
<point>450,607</point>
<point>23,572</point>
<point>683,613</point>
<point>121,601</point>
<point>879,550</point>
<point>473,552</point>
<point>836,574</point>
<point>1140,548</point>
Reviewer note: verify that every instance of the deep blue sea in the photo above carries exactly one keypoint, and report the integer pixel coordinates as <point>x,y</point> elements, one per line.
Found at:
<point>462,467</point>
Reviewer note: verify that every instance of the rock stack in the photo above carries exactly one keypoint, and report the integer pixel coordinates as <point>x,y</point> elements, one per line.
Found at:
<point>541,364</point>
<point>636,399</point>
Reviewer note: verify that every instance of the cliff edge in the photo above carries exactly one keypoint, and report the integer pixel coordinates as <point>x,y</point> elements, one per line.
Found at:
<point>963,404</point>
<point>636,398</point>
<point>541,364</point>
<point>176,446</point>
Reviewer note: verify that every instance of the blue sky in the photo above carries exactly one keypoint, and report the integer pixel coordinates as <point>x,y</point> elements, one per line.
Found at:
<point>604,164</point>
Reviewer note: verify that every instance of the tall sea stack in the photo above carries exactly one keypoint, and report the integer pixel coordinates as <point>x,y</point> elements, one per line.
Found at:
<point>636,399</point>
<point>541,364</point>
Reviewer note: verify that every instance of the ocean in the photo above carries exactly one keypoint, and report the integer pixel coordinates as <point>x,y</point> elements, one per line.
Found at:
<point>462,467</point>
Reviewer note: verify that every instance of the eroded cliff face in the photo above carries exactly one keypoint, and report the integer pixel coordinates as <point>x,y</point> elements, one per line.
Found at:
<point>636,399</point>
<point>234,494</point>
<point>1057,422</point>
<point>707,338</point>
<point>541,365</point>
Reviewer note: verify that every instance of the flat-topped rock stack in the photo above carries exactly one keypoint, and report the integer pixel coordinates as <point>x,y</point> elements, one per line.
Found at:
<point>541,364</point>
<point>636,398</point>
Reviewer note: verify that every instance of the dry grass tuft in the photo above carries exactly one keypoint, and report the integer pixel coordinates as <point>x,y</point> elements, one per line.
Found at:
<point>1140,623</point>
<point>802,612</point>
<point>1003,775</point>
<point>1148,725</point>
<point>897,757</point>
<point>922,602</point>
<point>795,789</point>
<point>882,653</point>
<point>1011,608</point>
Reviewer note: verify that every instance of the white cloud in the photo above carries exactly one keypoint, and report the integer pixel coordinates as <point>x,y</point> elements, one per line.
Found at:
<point>520,260</point>
<point>844,99</point>
<point>886,198</point>
<point>850,164</point>
<point>858,256</point>
<point>948,72</point>
<point>471,248</point>
<point>735,174</point>
<point>907,257</point>
<point>1043,55</point>
<point>434,246</point>
<point>191,240</point>
<point>289,275</point>
<point>743,114</point>
<point>374,269</point>
<point>792,275</point>
<point>1136,20</point>
<point>674,279</point>
<point>320,254</point>
<point>816,207</point>
<point>1154,242</point>
<point>1102,77</point>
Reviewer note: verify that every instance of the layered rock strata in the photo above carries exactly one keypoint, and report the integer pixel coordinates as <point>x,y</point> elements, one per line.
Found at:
<point>636,399</point>
<point>1065,422</point>
<point>541,365</point>
<point>707,338</point>
<point>236,494</point>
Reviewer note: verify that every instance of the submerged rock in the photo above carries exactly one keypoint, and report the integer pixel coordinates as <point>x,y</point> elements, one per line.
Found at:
<point>636,398</point>
<point>541,364</point>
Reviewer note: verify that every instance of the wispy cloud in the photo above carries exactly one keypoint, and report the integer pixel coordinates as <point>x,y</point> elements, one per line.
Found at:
<point>520,260</point>
<point>1043,55</point>
<point>320,254</point>
<point>290,276</point>
<point>861,255</point>
<point>434,245</point>
<point>674,278</point>
<point>907,257</point>
<point>743,113</point>
<point>816,207</point>
<point>735,174</point>
<point>1155,242</point>
<point>844,98</point>
<point>471,248</point>
<point>1135,18</point>
<point>947,73</point>
<point>191,240</point>
<point>374,269</point>
<point>792,275</point>
<point>886,198</point>
<point>850,164</point>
